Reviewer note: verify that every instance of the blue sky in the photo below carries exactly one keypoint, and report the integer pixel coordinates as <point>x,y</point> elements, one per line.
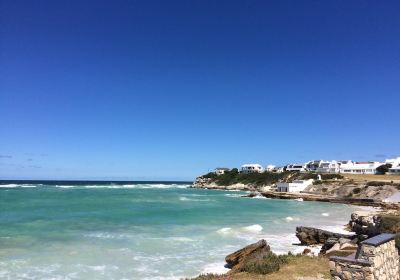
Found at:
<point>170,89</point>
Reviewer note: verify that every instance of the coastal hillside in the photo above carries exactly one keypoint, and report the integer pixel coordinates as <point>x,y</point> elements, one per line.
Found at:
<point>338,186</point>
<point>254,181</point>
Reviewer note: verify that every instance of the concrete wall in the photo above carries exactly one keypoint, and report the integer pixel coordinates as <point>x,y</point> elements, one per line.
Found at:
<point>376,259</point>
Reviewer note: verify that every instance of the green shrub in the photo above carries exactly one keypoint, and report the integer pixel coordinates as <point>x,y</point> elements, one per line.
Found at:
<point>324,189</point>
<point>314,176</point>
<point>390,224</point>
<point>210,175</point>
<point>318,182</point>
<point>234,177</point>
<point>331,176</point>
<point>383,168</point>
<point>270,263</point>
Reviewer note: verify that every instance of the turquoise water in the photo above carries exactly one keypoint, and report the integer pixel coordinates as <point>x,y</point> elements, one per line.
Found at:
<point>141,231</point>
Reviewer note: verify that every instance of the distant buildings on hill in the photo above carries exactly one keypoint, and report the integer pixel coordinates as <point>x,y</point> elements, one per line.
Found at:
<point>390,166</point>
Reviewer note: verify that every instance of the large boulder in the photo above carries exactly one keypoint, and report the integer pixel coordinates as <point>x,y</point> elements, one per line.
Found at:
<point>253,252</point>
<point>315,236</point>
<point>365,224</point>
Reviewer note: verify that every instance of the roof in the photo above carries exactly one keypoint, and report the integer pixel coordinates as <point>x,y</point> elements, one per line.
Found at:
<point>222,168</point>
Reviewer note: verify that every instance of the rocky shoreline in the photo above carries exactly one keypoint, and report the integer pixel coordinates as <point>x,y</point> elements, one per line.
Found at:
<point>362,225</point>
<point>335,192</point>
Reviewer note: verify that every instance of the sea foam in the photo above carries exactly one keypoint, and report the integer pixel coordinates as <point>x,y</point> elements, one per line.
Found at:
<point>253,228</point>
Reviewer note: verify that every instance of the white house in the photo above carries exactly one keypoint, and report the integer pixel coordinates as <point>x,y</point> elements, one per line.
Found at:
<point>394,171</point>
<point>295,186</point>
<point>296,167</point>
<point>270,168</point>
<point>220,170</point>
<point>328,167</point>
<point>251,168</point>
<point>313,165</point>
<point>278,169</point>
<point>367,167</point>
<point>393,161</point>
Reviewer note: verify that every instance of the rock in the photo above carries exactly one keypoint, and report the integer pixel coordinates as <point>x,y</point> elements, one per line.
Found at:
<point>344,240</point>
<point>256,251</point>
<point>311,236</point>
<point>334,248</point>
<point>307,251</point>
<point>252,194</point>
<point>365,224</point>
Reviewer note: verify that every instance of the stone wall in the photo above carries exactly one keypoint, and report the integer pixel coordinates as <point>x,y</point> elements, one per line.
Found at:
<point>376,259</point>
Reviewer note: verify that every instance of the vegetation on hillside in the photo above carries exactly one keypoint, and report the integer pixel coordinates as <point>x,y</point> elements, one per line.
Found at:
<point>291,267</point>
<point>265,178</point>
<point>234,177</point>
<point>391,224</point>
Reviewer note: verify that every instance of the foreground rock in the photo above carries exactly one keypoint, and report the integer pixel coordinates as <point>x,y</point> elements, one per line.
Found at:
<point>365,224</point>
<point>253,252</point>
<point>330,241</point>
<point>315,236</point>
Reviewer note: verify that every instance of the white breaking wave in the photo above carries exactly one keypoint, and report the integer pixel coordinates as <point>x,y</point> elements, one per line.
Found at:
<point>127,186</point>
<point>289,219</point>
<point>233,195</point>
<point>183,198</point>
<point>253,228</point>
<point>325,214</point>
<point>18,186</point>
<point>217,267</point>
<point>224,230</point>
<point>259,196</point>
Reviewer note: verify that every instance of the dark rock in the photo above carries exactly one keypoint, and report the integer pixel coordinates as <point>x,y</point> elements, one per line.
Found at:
<point>252,194</point>
<point>365,225</point>
<point>253,252</point>
<point>311,236</point>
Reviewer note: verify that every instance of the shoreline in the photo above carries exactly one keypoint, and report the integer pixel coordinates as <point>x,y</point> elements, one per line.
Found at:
<point>366,207</point>
<point>306,196</point>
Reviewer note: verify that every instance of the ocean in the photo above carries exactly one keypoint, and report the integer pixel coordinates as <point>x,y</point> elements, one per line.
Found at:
<point>141,230</point>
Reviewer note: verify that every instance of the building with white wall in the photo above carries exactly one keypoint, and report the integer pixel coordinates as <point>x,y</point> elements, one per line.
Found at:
<point>313,165</point>
<point>251,168</point>
<point>295,186</point>
<point>296,167</point>
<point>328,167</point>
<point>394,171</point>
<point>221,170</point>
<point>351,167</point>
<point>393,161</point>
<point>270,168</point>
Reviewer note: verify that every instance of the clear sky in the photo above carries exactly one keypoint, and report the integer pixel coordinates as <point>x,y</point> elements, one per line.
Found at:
<point>171,89</point>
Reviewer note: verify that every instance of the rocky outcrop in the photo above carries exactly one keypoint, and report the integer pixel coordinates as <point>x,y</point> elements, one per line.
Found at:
<point>253,252</point>
<point>365,224</point>
<point>207,183</point>
<point>314,236</point>
<point>201,182</point>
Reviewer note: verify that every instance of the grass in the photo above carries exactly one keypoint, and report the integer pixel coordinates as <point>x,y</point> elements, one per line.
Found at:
<point>391,224</point>
<point>373,177</point>
<point>295,267</point>
<point>314,176</point>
